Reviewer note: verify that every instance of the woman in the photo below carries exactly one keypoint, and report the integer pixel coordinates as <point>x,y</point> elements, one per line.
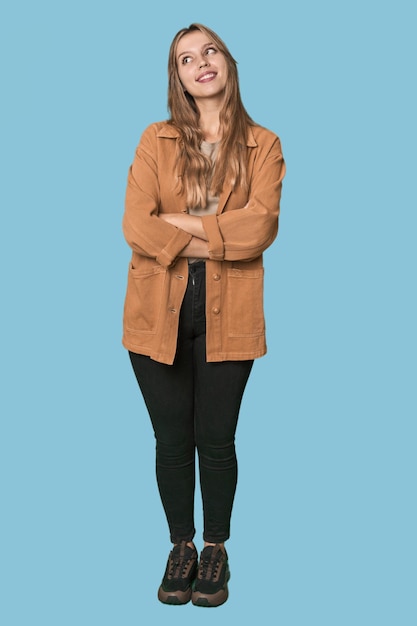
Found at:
<point>202,205</point>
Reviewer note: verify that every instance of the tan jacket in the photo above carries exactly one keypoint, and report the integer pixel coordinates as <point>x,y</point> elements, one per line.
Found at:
<point>244,226</point>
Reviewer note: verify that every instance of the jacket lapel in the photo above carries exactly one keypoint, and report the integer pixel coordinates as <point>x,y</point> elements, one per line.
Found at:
<point>225,194</point>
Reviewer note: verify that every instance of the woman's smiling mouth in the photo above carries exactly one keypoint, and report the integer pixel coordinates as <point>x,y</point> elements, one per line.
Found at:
<point>206,77</point>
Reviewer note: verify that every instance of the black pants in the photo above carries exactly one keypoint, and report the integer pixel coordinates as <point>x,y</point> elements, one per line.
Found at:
<point>194,404</point>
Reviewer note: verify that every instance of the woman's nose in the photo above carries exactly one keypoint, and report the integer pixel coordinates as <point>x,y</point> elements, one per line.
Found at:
<point>203,62</point>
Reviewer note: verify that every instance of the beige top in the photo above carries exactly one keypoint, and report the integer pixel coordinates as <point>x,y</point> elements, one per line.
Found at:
<point>210,149</point>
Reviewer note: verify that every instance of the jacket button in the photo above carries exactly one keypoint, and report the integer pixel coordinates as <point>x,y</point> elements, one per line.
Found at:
<point>216,276</point>
<point>173,310</point>
<point>179,277</point>
<point>215,310</point>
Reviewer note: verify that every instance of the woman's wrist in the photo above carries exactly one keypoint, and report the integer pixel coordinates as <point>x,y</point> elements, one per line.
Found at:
<point>192,224</point>
<point>196,248</point>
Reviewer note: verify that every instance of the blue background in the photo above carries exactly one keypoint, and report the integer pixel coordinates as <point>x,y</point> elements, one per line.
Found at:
<point>324,525</point>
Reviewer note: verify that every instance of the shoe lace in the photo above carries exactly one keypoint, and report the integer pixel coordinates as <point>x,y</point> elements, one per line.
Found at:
<point>178,563</point>
<point>209,565</point>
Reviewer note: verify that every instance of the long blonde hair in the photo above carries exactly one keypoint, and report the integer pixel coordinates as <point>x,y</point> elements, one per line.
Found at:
<point>196,173</point>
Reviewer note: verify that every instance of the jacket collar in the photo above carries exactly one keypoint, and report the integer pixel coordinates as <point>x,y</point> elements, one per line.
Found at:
<point>170,132</point>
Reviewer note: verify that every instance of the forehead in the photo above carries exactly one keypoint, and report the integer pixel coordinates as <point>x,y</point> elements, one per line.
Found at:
<point>192,41</point>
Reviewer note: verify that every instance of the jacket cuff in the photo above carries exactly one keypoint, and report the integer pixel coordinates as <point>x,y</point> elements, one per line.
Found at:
<point>169,254</point>
<point>215,239</point>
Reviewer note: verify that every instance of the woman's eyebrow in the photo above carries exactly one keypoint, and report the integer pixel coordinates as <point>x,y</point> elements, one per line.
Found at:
<point>206,45</point>
<point>182,53</point>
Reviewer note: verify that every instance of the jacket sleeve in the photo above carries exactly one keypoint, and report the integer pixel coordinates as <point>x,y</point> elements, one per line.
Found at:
<point>243,234</point>
<point>143,230</point>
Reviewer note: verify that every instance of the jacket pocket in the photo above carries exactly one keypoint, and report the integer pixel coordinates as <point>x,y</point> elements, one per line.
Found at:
<point>245,309</point>
<point>144,299</point>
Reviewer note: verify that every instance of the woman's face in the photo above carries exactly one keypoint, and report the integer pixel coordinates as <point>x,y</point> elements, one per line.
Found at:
<point>201,66</point>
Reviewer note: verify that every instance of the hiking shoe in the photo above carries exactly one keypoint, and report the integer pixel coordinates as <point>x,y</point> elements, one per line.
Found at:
<point>210,587</point>
<point>179,575</point>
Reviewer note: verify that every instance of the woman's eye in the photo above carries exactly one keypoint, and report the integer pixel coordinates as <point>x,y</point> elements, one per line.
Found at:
<point>186,60</point>
<point>211,50</point>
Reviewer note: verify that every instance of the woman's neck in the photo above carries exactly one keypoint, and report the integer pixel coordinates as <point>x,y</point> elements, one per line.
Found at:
<point>210,124</point>
<point>211,132</point>
<point>211,136</point>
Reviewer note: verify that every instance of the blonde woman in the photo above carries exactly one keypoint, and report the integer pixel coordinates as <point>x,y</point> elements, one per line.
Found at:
<point>202,204</point>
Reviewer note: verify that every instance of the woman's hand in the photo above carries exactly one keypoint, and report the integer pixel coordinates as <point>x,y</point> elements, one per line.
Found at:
<point>197,248</point>
<point>191,224</point>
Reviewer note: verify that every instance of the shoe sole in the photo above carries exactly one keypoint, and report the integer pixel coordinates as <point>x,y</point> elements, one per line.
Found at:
<point>174,598</point>
<point>211,600</point>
